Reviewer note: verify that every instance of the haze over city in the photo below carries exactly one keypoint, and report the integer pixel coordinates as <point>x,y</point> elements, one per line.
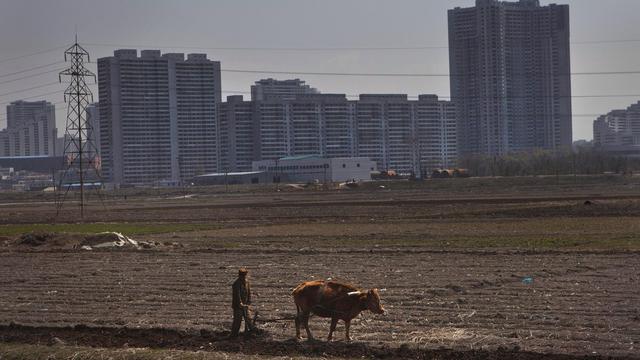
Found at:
<point>306,179</point>
<point>305,36</point>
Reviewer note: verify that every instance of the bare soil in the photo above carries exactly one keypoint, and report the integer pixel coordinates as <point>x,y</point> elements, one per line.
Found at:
<point>487,275</point>
<point>577,303</point>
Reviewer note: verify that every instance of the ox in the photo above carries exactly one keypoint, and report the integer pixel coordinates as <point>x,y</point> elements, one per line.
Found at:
<point>330,299</point>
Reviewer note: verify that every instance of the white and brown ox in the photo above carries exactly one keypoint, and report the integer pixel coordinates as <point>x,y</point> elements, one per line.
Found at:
<point>333,300</point>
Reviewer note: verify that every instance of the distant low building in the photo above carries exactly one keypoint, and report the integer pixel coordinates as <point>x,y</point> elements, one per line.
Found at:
<point>618,132</point>
<point>236,178</point>
<point>39,164</point>
<point>313,168</point>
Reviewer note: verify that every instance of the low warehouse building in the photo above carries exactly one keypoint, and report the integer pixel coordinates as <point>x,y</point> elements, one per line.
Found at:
<point>312,168</point>
<point>234,178</point>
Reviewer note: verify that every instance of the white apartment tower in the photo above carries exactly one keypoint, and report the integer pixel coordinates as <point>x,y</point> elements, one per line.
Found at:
<point>239,142</point>
<point>31,129</point>
<point>406,135</point>
<point>396,133</point>
<point>158,116</point>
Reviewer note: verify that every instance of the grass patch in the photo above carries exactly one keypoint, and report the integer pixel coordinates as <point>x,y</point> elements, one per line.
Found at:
<point>92,228</point>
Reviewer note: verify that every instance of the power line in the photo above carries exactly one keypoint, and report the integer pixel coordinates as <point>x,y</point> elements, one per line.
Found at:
<point>470,97</point>
<point>351,95</point>
<point>353,74</point>
<point>38,87</point>
<point>58,92</point>
<point>33,53</point>
<point>30,69</point>
<point>610,41</point>
<point>31,88</point>
<point>30,76</point>
<point>237,48</point>
<point>354,95</point>
<point>317,49</point>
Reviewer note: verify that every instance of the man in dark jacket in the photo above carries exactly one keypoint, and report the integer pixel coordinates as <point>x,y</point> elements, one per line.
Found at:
<point>241,299</point>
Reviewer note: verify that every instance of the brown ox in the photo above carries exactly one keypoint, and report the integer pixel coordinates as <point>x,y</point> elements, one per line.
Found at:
<point>333,300</point>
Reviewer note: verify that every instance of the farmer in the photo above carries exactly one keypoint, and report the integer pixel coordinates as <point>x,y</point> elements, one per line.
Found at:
<point>240,303</point>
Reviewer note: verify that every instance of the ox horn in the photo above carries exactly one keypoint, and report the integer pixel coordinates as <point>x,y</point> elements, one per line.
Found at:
<point>354,293</point>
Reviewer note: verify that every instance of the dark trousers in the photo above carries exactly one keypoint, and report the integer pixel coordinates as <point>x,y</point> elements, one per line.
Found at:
<point>238,315</point>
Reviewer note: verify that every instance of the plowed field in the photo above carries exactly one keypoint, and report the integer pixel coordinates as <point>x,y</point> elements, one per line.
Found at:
<point>472,278</point>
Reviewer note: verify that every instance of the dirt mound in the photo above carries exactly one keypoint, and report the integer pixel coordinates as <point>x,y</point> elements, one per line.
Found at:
<point>39,240</point>
<point>261,344</point>
<point>36,238</point>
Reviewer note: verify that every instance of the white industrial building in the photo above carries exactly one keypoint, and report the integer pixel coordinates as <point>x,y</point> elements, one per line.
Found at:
<point>312,168</point>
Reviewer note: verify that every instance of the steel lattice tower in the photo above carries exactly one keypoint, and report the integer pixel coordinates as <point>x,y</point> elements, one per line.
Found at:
<point>80,152</point>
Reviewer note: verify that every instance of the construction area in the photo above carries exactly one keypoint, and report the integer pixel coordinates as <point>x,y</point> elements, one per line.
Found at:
<point>470,268</point>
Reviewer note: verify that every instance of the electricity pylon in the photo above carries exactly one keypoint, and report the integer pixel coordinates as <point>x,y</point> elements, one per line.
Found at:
<point>81,160</point>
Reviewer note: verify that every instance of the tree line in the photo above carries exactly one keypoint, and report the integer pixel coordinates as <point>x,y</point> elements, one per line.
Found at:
<point>582,161</point>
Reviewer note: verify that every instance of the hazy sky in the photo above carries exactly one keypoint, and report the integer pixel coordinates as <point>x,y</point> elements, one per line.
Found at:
<point>28,26</point>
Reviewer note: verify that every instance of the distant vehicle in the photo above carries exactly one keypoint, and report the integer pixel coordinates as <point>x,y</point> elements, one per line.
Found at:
<point>331,299</point>
<point>385,175</point>
<point>352,184</point>
<point>450,173</point>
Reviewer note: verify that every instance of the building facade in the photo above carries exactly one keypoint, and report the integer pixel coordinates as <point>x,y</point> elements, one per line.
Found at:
<point>314,168</point>
<point>435,129</point>
<point>272,89</point>
<point>396,133</point>
<point>618,132</point>
<point>31,129</point>
<point>510,76</point>
<point>239,142</point>
<point>158,116</point>
<point>93,128</point>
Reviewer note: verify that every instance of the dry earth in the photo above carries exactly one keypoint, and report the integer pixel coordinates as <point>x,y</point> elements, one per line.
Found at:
<point>469,275</point>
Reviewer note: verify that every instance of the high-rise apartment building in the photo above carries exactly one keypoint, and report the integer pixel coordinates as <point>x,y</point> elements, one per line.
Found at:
<point>396,133</point>
<point>510,76</point>
<point>93,127</point>
<point>158,116</point>
<point>619,131</point>
<point>272,89</point>
<point>435,129</point>
<point>239,142</point>
<point>31,129</point>
<point>274,129</point>
<point>406,135</point>
<point>322,124</point>
<point>310,124</point>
